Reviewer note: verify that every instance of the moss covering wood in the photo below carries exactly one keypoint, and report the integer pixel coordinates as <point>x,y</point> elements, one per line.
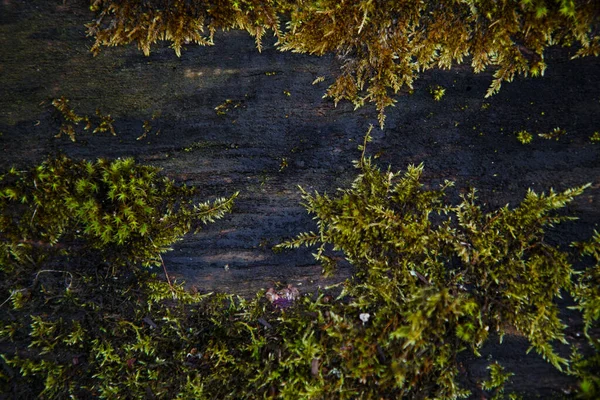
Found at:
<point>382,44</point>
<point>432,279</point>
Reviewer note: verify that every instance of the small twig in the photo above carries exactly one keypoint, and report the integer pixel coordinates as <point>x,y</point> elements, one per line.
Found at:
<point>167,276</point>
<point>33,215</point>
<point>165,270</point>
<point>421,277</point>
<point>35,280</point>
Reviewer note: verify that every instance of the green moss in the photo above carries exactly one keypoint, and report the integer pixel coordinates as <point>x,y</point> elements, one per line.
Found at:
<point>432,279</point>
<point>127,213</point>
<point>524,137</point>
<point>382,45</point>
<point>556,134</point>
<point>437,92</point>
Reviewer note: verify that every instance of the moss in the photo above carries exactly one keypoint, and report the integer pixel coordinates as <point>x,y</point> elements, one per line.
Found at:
<point>432,280</point>
<point>437,92</point>
<point>556,134</point>
<point>382,45</point>
<point>524,137</point>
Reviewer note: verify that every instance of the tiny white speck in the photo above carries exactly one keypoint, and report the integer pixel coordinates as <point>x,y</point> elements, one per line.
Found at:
<point>364,317</point>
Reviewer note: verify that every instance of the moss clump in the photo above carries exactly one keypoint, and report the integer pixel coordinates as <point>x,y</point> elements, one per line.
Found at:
<point>382,45</point>
<point>432,279</point>
<point>114,212</point>
<point>524,137</point>
<point>437,92</point>
<point>73,237</point>
<point>587,293</point>
<point>442,277</point>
